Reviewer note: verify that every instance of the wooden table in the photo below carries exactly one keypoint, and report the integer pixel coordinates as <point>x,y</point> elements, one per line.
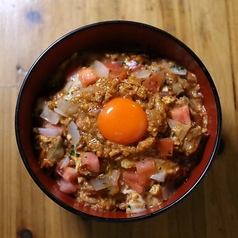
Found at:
<point>210,28</point>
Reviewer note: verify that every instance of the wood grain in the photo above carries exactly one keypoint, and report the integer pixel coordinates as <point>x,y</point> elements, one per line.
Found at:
<point>210,28</point>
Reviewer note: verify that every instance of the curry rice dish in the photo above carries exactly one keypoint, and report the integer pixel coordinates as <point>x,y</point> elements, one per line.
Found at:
<point>120,131</point>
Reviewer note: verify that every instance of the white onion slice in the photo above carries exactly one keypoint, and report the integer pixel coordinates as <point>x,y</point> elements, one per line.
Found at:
<point>99,184</point>
<point>100,69</point>
<point>73,131</point>
<point>63,105</point>
<point>73,110</point>
<point>178,70</point>
<point>159,177</point>
<point>167,191</point>
<point>106,182</point>
<point>50,132</point>
<point>178,128</point>
<point>57,110</point>
<point>177,88</point>
<point>142,73</point>
<point>65,162</point>
<point>68,85</point>
<point>172,123</point>
<point>114,177</point>
<point>64,108</point>
<point>89,88</point>
<point>50,116</point>
<point>74,77</point>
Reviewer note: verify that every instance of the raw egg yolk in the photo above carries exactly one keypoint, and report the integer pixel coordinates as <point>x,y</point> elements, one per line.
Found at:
<point>122,121</point>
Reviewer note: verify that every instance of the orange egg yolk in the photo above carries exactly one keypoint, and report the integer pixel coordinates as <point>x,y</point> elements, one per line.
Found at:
<point>122,121</point>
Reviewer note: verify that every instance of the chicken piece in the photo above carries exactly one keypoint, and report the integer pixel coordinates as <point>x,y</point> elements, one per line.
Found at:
<point>51,150</point>
<point>192,140</point>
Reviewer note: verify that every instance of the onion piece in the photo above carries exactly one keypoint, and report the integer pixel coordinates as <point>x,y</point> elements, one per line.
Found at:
<point>114,177</point>
<point>57,110</point>
<point>179,70</point>
<point>142,73</point>
<point>65,162</point>
<point>68,85</point>
<point>63,105</point>
<point>108,181</point>
<point>50,116</point>
<point>64,108</point>
<point>73,131</point>
<point>74,77</point>
<point>67,187</point>
<point>57,128</point>
<point>73,110</point>
<point>167,191</point>
<point>180,130</point>
<point>177,88</point>
<point>50,132</point>
<point>100,69</point>
<point>90,88</point>
<point>159,177</point>
<point>100,183</point>
<point>71,86</point>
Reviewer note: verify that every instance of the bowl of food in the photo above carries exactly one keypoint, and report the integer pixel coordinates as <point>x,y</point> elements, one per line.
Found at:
<point>117,121</point>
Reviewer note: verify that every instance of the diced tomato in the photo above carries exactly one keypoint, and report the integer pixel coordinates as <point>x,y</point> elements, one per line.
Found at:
<point>112,65</point>
<point>181,114</point>
<point>145,168</point>
<point>154,82</point>
<point>67,187</point>
<point>165,146</point>
<point>116,69</point>
<point>91,161</point>
<point>130,177</point>
<point>137,178</point>
<point>87,76</point>
<point>69,174</point>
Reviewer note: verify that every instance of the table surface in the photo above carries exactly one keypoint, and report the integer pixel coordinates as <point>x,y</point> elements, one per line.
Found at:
<point>209,28</point>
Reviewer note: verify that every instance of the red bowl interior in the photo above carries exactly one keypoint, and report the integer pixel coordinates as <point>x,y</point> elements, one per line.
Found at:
<point>107,35</point>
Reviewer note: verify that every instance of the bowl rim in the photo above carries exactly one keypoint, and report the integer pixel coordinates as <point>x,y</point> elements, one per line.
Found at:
<point>114,219</point>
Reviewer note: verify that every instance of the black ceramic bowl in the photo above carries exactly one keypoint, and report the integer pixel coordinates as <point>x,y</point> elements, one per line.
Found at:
<point>108,35</point>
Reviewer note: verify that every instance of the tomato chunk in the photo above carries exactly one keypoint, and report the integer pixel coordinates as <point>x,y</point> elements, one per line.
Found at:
<point>67,187</point>
<point>181,114</point>
<point>145,168</point>
<point>165,146</point>
<point>87,76</point>
<point>116,69</point>
<point>138,177</point>
<point>155,81</point>
<point>130,177</point>
<point>69,174</point>
<point>91,161</point>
